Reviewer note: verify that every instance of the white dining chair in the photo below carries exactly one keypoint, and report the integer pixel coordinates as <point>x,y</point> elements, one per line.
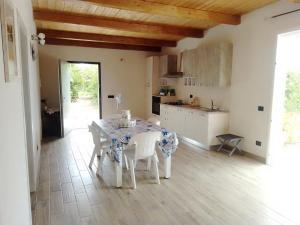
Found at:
<point>142,146</point>
<point>101,146</point>
<point>154,121</point>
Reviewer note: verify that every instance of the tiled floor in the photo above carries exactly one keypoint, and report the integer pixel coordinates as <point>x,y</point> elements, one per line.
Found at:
<point>80,114</point>
<point>206,188</point>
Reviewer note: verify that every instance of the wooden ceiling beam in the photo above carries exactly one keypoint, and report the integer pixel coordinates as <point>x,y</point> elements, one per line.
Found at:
<point>113,23</point>
<point>169,10</point>
<point>105,38</point>
<point>93,44</point>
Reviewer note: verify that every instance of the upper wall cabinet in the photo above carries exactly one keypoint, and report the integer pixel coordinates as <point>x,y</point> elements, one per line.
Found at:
<point>211,64</point>
<point>189,63</point>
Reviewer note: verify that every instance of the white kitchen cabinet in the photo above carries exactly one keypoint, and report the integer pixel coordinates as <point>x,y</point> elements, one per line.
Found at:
<point>199,121</point>
<point>211,64</point>
<point>177,119</point>
<point>195,126</point>
<point>189,63</point>
<point>164,115</point>
<point>188,123</point>
<point>169,118</point>
<point>214,63</point>
<point>172,114</point>
<point>200,126</point>
<point>180,120</point>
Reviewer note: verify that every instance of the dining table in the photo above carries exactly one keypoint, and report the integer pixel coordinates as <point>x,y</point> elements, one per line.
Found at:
<point>119,137</point>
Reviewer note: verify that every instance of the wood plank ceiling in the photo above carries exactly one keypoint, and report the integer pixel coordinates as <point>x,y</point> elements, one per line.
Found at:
<point>145,25</point>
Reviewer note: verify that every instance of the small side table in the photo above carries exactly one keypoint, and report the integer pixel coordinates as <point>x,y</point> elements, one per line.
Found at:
<point>229,139</point>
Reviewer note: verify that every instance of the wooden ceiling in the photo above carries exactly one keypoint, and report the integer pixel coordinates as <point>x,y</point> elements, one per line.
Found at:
<point>134,24</point>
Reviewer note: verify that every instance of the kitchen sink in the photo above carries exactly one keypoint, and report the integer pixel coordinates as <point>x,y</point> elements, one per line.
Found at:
<point>202,108</point>
<point>209,109</point>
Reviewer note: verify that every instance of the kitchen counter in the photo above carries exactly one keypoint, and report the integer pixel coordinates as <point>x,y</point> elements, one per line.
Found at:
<point>167,96</point>
<point>193,122</point>
<point>198,108</point>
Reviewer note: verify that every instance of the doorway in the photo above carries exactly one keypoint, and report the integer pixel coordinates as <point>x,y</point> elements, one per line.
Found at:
<point>80,94</point>
<point>285,129</point>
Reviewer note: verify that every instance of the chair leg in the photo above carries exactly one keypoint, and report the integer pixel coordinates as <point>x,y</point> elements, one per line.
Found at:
<point>93,157</point>
<point>101,163</point>
<point>126,162</point>
<point>223,142</point>
<point>135,162</point>
<point>132,174</point>
<point>100,153</point>
<point>149,164</point>
<point>156,171</point>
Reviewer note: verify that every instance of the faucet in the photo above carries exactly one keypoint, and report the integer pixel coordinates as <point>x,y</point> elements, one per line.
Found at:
<point>213,107</point>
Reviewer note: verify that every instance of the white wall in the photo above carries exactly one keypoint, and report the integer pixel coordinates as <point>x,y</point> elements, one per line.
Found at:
<point>14,186</point>
<point>127,76</point>
<point>34,89</point>
<point>254,56</point>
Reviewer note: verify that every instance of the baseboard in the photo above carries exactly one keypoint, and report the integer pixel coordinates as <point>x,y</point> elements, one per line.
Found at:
<point>200,146</point>
<point>255,157</point>
<point>192,143</point>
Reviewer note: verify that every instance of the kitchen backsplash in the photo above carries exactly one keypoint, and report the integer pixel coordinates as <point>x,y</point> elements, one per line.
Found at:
<point>219,95</point>
<point>168,82</point>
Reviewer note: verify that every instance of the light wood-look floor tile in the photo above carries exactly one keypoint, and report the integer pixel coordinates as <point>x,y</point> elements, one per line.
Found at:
<point>90,220</point>
<point>206,188</point>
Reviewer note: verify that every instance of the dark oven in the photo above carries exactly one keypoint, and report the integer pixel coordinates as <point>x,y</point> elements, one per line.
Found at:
<point>156,105</point>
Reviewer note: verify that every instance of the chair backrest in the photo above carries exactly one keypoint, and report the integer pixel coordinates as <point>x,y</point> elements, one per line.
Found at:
<point>154,121</point>
<point>95,134</point>
<point>145,144</point>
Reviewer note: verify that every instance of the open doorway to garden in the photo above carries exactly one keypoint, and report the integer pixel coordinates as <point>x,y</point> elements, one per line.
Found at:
<point>80,94</point>
<point>285,129</point>
<point>291,115</point>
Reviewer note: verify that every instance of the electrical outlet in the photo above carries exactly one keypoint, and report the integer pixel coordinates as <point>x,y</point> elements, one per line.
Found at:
<point>191,96</point>
<point>110,96</point>
<point>258,143</point>
<point>260,108</point>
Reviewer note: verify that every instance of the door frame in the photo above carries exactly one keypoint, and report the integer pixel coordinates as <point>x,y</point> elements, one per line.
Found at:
<point>99,88</point>
<point>275,127</point>
<point>61,105</point>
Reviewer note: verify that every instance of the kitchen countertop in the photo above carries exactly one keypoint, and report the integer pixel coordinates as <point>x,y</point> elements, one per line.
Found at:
<point>198,108</point>
<point>172,96</point>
